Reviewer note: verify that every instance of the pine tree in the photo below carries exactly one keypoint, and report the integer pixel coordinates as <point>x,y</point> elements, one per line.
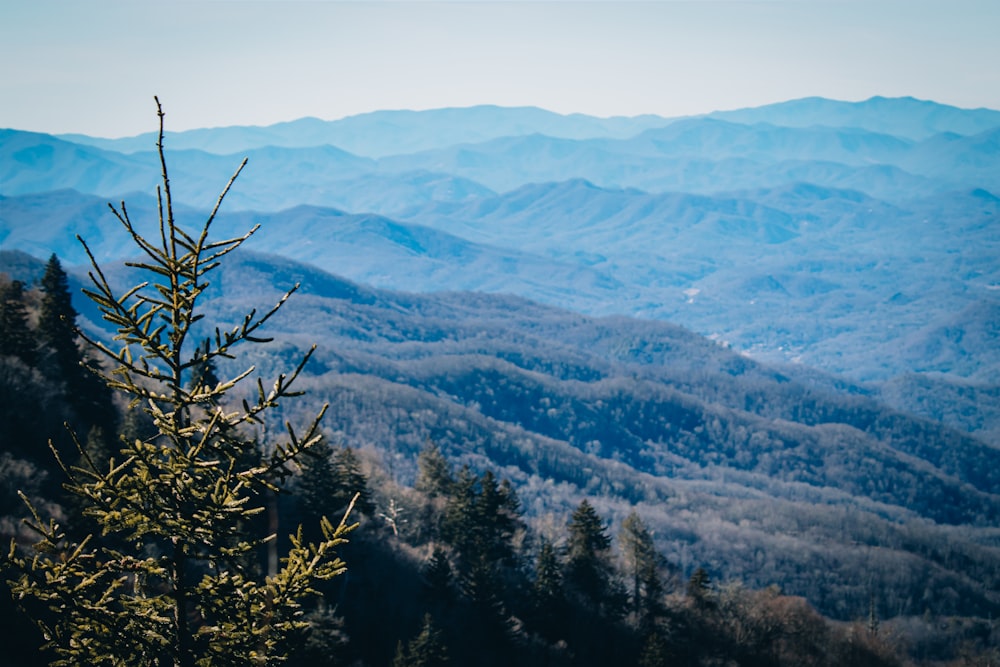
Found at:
<point>699,588</point>
<point>57,324</point>
<point>427,649</point>
<point>458,526</point>
<point>438,577</point>
<point>547,595</point>
<point>588,568</point>
<point>350,483</point>
<point>655,651</point>
<point>315,485</point>
<point>16,338</point>
<point>183,587</point>
<point>87,395</point>
<point>641,564</point>
<point>434,476</point>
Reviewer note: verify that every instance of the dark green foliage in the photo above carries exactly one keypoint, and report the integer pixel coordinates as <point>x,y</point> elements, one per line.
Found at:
<point>315,491</point>
<point>589,571</point>
<point>350,483</point>
<point>325,639</point>
<point>642,564</point>
<point>427,649</point>
<point>655,650</point>
<point>329,480</point>
<point>85,392</point>
<point>699,587</point>
<point>548,599</point>
<point>481,517</point>
<point>16,338</point>
<point>57,323</point>
<point>433,472</point>
<point>439,578</point>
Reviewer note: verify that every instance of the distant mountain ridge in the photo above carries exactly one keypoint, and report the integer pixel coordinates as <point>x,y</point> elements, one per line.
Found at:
<point>382,133</point>
<point>846,235</point>
<point>900,116</point>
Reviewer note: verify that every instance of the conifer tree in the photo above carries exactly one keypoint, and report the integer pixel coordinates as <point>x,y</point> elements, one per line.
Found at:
<point>57,323</point>
<point>315,483</point>
<point>427,649</point>
<point>547,595</point>
<point>182,587</point>
<point>16,338</point>
<point>350,482</point>
<point>86,394</point>
<point>641,564</point>
<point>438,577</point>
<point>699,587</point>
<point>434,476</point>
<point>589,570</point>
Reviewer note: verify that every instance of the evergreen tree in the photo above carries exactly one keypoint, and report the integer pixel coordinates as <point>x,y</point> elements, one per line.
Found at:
<point>641,565</point>
<point>325,639</point>
<point>315,485</point>
<point>547,595</point>
<point>438,577</point>
<point>427,649</point>
<point>16,338</point>
<point>434,476</point>
<point>329,481</point>
<point>655,651</point>
<point>87,395</point>
<point>588,568</point>
<point>57,324</point>
<point>699,587</point>
<point>458,526</point>
<point>182,588</point>
<point>350,483</point>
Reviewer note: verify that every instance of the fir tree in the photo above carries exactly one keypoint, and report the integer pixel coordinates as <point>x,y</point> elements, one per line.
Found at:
<point>655,651</point>
<point>350,482</point>
<point>315,485</point>
<point>438,577</point>
<point>57,324</point>
<point>87,395</point>
<point>547,595</point>
<point>182,588</point>
<point>641,565</point>
<point>699,587</point>
<point>434,476</point>
<point>588,568</point>
<point>16,337</point>
<point>427,649</point>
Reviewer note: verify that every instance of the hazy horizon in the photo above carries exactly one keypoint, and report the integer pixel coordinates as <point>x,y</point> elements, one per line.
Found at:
<point>93,68</point>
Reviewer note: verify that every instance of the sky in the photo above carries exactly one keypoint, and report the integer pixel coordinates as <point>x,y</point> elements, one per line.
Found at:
<point>93,66</point>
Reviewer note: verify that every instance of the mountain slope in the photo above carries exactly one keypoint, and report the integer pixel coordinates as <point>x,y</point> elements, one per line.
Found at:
<point>736,465</point>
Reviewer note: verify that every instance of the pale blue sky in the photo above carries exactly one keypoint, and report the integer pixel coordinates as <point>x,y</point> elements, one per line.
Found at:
<point>93,66</point>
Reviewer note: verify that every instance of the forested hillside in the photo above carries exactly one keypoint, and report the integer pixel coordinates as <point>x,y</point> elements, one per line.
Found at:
<point>719,390</point>
<point>748,473</point>
<point>449,563</point>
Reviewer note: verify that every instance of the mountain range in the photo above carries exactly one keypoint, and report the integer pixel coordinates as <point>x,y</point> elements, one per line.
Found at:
<point>854,237</point>
<point>772,331</point>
